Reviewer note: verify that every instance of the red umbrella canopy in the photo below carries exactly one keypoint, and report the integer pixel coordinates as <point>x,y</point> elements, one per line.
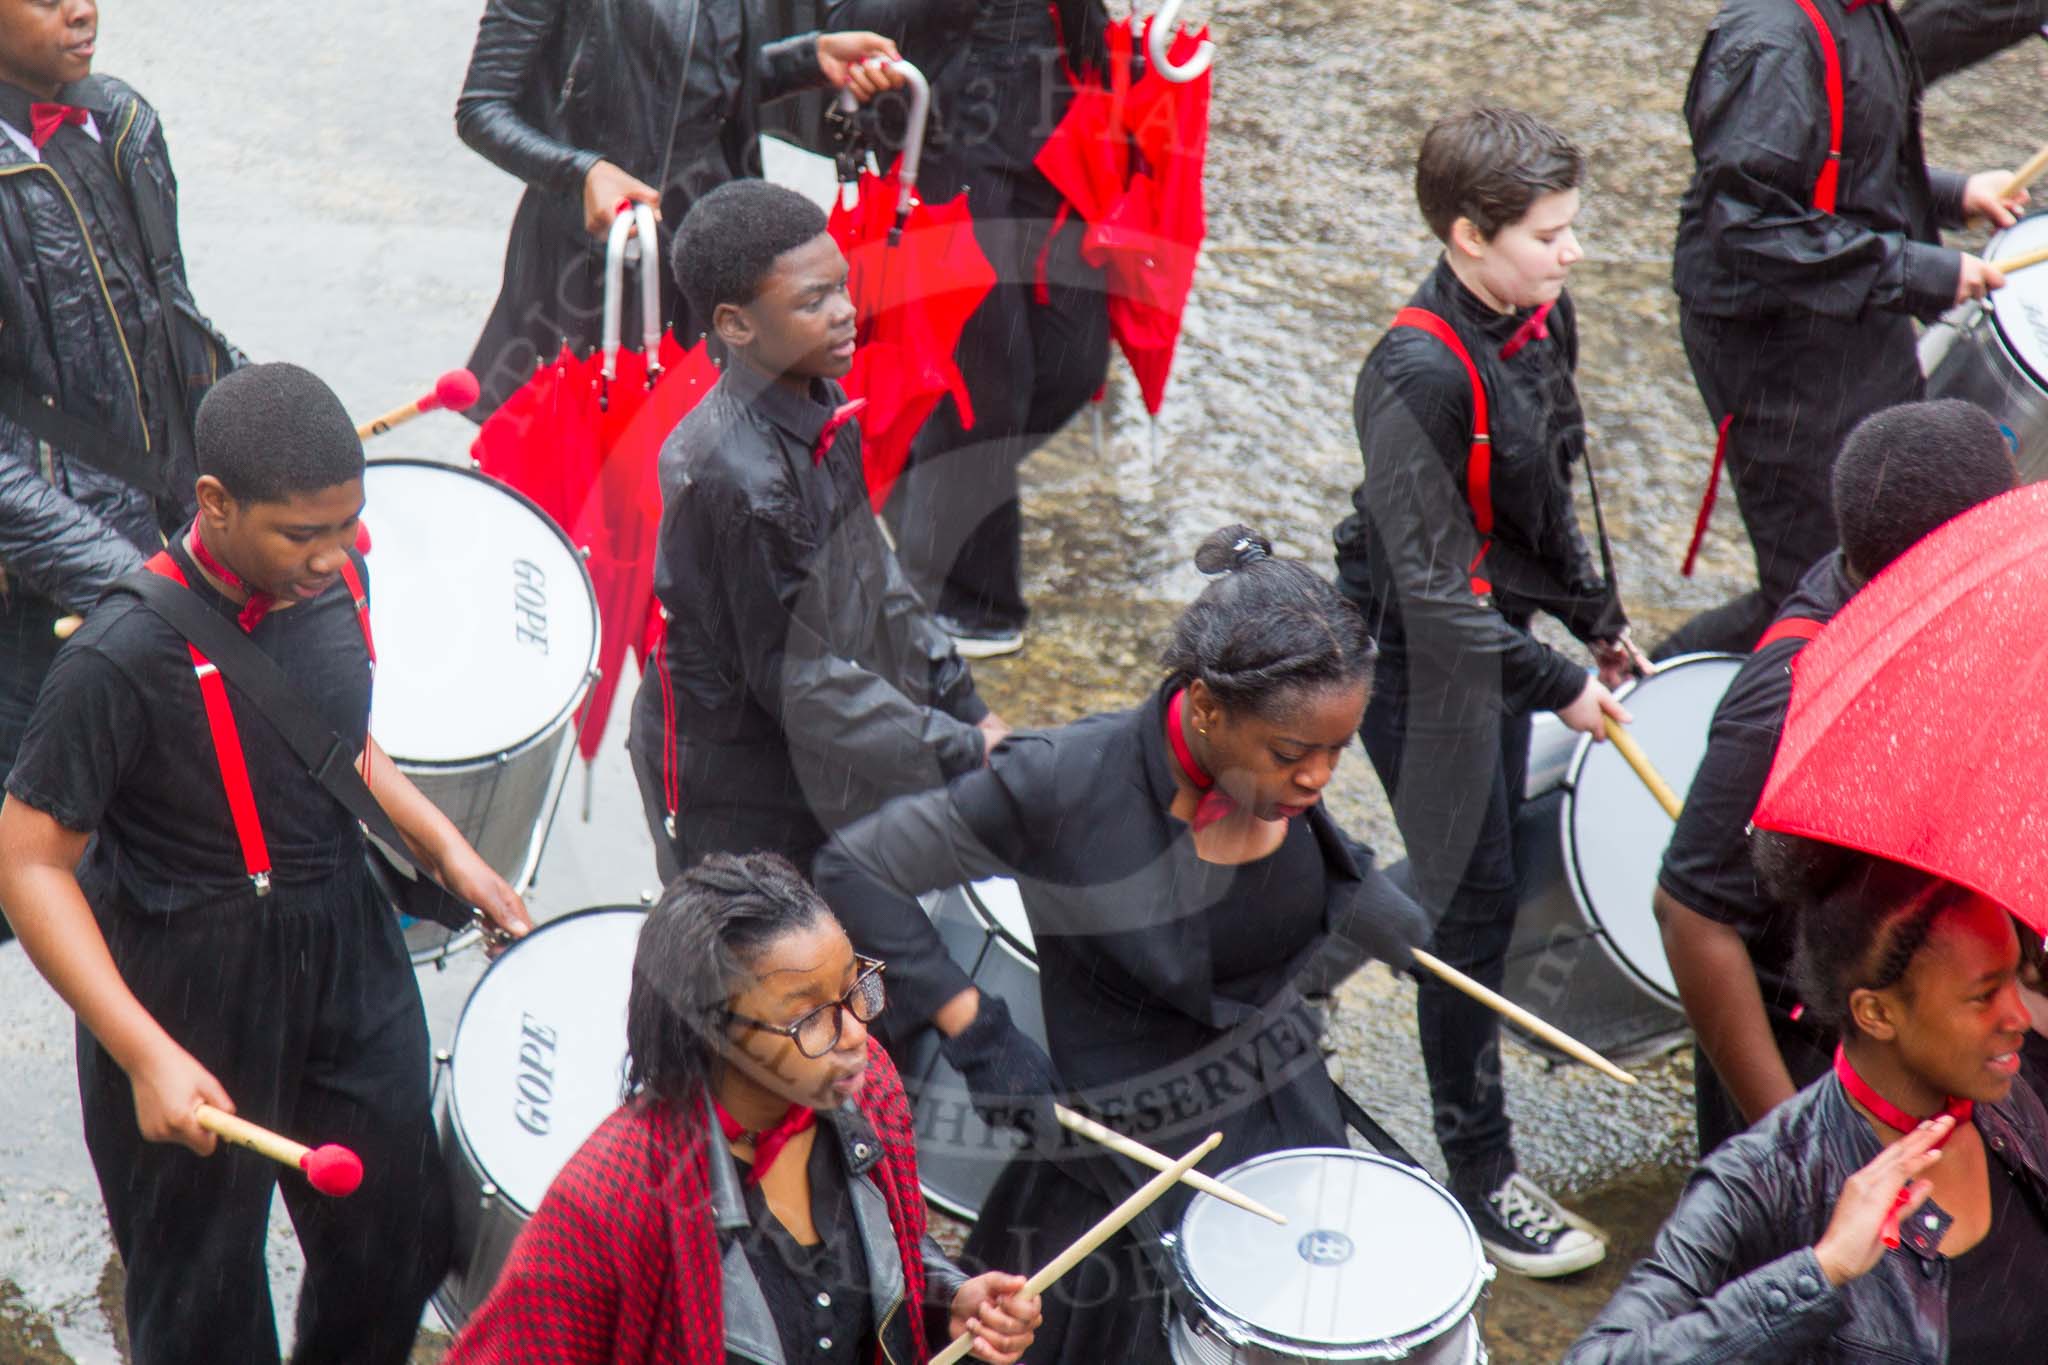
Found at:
<point>913,297</point>
<point>1914,731</point>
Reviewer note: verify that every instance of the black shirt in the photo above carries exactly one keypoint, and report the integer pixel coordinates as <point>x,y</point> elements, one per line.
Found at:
<point>1707,865</point>
<point>119,746</point>
<point>1990,1314</point>
<point>819,1295</point>
<point>1265,910</point>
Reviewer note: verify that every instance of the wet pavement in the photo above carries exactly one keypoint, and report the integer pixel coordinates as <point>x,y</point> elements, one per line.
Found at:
<point>331,217</point>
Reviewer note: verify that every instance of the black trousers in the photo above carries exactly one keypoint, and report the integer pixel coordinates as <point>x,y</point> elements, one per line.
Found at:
<point>1797,386</point>
<point>1028,367</point>
<point>1454,766</point>
<point>722,808</point>
<point>303,1005</point>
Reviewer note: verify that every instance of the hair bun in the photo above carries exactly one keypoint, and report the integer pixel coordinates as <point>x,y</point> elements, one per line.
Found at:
<point>1231,548</point>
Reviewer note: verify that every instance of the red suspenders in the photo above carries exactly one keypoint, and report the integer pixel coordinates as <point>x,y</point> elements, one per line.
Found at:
<point>227,740</point>
<point>1479,459</point>
<point>1800,628</point>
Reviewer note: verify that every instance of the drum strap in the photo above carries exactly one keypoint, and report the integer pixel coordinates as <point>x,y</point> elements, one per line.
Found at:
<point>1800,628</point>
<point>1368,1127</point>
<point>1479,458</point>
<point>671,787</point>
<point>1824,188</point>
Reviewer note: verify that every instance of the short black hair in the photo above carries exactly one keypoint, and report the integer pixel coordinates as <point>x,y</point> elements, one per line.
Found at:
<point>700,938</point>
<point>1905,470</point>
<point>1265,630</point>
<point>730,239</point>
<point>1490,164</point>
<point>271,432</point>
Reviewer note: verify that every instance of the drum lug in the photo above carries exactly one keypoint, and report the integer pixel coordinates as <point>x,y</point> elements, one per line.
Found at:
<point>443,1060</point>
<point>486,1196</point>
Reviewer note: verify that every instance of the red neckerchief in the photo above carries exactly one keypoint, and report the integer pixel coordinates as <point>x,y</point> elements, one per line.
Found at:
<point>1890,1114</point>
<point>1214,804</point>
<point>258,603</point>
<point>1855,5</point>
<point>767,1144</point>
<point>829,433</point>
<point>1537,328</point>
<point>46,119</point>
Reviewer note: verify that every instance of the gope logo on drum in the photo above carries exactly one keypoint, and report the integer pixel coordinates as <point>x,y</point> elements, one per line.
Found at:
<point>536,1085</point>
<point>1325,1247</point>
<point>530,603</point>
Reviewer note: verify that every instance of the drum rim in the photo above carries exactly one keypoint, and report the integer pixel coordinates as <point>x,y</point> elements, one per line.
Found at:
<point>566,714</point>
<point>1568,834</point>
<point>1989,307</point>
<point>455,1123</point>
<point>1241,1333</point>
<point>995,926</point>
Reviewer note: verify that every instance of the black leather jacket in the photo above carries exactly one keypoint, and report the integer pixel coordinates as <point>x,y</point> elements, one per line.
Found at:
<point>1733,1275</point>
<point>1949,35</point>
<point>67,529</point>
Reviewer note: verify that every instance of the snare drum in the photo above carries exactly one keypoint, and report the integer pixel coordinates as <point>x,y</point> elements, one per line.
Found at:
<point>1994,351</point>
<point>1587,954</point>
<point>487,639</point>
<point>958,1156</point>
<point>538,1063</point>
<point>1376,1262</point>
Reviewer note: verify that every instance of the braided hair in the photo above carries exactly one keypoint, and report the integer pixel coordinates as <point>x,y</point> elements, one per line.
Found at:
<point>700,939</point>
<point>1265,630</point>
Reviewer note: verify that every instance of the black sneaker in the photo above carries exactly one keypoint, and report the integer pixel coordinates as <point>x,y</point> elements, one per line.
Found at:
<point>1528,1232</point>
<point>979,641</point>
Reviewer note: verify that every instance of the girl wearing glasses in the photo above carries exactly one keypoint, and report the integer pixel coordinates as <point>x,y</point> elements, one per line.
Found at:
<point>1185,888</point>
<point>755,1198</point>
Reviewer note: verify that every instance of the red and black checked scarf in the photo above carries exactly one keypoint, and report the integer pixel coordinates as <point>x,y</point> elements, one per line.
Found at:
<point>620,1266</point>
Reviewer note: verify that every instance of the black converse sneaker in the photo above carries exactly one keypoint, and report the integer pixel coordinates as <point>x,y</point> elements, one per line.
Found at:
<point>1528,1232</point>
<point>975,641</point>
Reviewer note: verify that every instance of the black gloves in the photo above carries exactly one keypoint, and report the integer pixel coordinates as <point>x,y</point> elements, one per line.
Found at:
<point>1010,1080</point>
<point>1383,922</point>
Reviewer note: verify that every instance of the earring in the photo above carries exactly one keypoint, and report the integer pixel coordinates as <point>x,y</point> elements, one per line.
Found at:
<point>1201,729</point>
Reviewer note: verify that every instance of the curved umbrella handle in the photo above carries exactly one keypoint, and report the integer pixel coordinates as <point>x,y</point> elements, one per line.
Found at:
<point>1156,43</point>
<point>629,219</point>
<point>913,138</point>
<point>650,288</point>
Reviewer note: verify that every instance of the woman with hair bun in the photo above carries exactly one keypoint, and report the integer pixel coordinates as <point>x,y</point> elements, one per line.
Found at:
<point>1185,888</point>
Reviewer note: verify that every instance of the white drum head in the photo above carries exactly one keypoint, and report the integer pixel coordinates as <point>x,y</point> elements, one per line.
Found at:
<point>2021,308</point>
<point>1616,832</point>
<point>1372,1251</point>
<point>485,621</point>
<point>540,1052</point>
<point>1004,904</point>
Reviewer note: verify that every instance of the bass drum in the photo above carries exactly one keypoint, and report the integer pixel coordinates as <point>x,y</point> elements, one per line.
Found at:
<point>1994,351</point>
<point>539,1061</point>
<point>1587,954</point>
<point>958,1156</point>
<point>487,635</point>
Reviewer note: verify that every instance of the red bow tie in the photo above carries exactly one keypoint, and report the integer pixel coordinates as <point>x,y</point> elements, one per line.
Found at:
<point>841,415</point>
<point>46,119</point>
<point>768,1144</point>
<point>259,602</point>
<point>1536,328</point>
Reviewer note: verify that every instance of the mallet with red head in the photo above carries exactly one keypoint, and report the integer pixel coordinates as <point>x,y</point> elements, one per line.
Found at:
<point>331,1169</point>
<point>456,391</point>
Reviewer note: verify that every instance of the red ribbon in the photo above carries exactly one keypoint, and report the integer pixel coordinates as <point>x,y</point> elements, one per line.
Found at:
<point>1214,804</point>
<point>1537,328</point>
<point>46,119</point>
<point>829,433</point>
<point>259,602</point>
<point>1889,1114</point>
<point>768,1144</point>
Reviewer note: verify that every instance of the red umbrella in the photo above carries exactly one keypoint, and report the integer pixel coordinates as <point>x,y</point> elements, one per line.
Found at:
<point>917,274</point>
<point>582,438</point>
<point>1895,743</point>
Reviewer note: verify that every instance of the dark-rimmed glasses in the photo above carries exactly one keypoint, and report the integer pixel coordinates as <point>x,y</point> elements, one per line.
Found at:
<point>817,1032</point>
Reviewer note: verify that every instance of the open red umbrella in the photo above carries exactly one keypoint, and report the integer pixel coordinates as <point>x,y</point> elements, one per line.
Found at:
<point>1898,742</point>
<point>916,274</point>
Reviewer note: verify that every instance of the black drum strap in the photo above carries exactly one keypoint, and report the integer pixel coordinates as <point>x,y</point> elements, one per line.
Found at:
<point>1368,1127</point>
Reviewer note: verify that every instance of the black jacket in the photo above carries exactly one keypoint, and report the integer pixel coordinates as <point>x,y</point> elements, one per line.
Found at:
<point>1949,35</point>
<point>669,92</point>
<point>801,662</point>
<point>1751,244</point>
<point>1403,554</point>
<point>1732,1275</point>
<point>68,529</point>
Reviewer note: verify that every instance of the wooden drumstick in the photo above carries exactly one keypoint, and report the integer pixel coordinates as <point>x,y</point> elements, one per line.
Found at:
<point>66,626</point>
<point>1091,1239</point>
<point>1508,1009</point>
<point>330,1169</point>
<point>2021,261</point>
<point>1625,744</point>
<point>1159,1161</point>
<point>2029,172</point>
<point>455,391</point>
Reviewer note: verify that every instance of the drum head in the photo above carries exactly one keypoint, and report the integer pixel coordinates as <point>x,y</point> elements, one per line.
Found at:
<point>2021,308</point>
<point>1373,1252</point>
<point>485,620</point>
<point>1616,832</point>
<point>540,1051</point>
<point>1001,905</point>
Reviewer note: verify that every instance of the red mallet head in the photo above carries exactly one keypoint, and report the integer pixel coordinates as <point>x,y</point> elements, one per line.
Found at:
<point>333,1170</point>
<point>456,391</point>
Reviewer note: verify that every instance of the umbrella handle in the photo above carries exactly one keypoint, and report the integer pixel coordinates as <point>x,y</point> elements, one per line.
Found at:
<point>631,217</point>
<point>913,139</point>
<point>1156,43</point>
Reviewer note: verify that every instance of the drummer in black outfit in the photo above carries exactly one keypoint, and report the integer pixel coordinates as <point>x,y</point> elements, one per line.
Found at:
<point>286,996</point>
<point>1901,473</point>
<point>1799,272</point>
<point>1184,886</point>
<point>1463,530</point>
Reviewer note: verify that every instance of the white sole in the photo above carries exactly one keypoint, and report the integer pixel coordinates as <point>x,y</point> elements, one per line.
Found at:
<point>987,649</point>
<point>1546,1267</point>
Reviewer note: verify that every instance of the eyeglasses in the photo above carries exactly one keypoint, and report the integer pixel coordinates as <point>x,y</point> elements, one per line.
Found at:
<point>817,1033</point>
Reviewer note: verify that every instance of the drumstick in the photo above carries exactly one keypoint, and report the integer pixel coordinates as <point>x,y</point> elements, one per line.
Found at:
<point>1625,744</point>
<point>330,1169</point>
<point>1159,1161</point>
<point>1091,1239</point>
<point>2021,261</point>
<point>2028,173</point>
<point>1500,1004</point>
<point>66,626</point>
<point>455,391</point>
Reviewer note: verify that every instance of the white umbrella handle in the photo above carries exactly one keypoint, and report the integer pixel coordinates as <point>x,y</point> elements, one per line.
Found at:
<point>617,249</point>
<point>913,138</point>
<point>1156,42</point>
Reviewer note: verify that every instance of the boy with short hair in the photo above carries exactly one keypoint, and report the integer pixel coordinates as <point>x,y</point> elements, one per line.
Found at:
<point>240,959</point>
<point>800,682</point>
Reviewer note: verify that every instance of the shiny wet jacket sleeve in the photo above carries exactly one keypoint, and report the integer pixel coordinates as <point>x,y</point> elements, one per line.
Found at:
<point>50,544</point>
<point>923,645</point>
<point>489,114</point>
<point>942,1281</point>
<point>1948,35</point>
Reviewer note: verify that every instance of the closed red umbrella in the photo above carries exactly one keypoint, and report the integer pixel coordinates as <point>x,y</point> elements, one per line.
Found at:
<point>1913,732</point>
